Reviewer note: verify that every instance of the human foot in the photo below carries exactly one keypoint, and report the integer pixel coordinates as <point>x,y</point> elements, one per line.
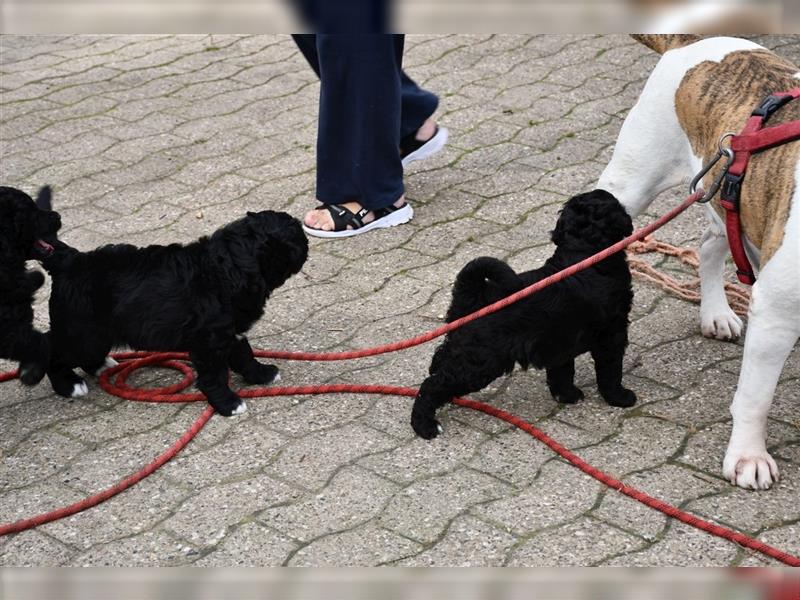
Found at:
<point>350,218</point>
<point>425,142</point>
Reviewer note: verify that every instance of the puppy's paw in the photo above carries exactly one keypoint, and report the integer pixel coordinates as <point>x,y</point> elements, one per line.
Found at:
<point>79,390</point>
<point>625,398</point>
<point>754,469</point>
<point>32,373</point>
<point>722,324</point>
<point>229,406</point>
<point>427,429</point>
<point>69,385</point>
<point>259,374</point>
<point>568,396</point>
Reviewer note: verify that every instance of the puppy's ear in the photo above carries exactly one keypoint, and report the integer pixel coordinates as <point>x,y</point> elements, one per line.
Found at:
<point>44,199</point>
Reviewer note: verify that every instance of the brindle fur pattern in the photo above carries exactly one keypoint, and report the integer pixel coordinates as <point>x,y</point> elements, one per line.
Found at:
<point>715,98</point>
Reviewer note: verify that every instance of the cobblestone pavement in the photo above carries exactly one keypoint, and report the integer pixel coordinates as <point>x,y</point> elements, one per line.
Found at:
<point>155,139</point>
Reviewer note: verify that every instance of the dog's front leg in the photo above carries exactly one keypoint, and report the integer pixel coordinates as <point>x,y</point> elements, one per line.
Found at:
<point>212,379</point>
<point>717,320</point>
<point>243,361</point>
<point>561,382</point>
<point>33,353</point>
<point>773,330</point>
<point>608,354</point>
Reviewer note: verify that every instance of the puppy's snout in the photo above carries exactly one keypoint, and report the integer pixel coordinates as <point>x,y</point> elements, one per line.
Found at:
<point>51,223</point>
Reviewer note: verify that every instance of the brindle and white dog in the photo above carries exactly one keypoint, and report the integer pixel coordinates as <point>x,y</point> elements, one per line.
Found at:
<point>699,90</point>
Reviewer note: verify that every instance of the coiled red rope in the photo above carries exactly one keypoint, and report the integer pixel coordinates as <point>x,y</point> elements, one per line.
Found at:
<point>114,381</point>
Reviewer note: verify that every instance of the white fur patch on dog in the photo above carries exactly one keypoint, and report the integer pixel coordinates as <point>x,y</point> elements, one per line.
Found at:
<point>240,410</point>
<point>79,390</point>
<point>277,378</point>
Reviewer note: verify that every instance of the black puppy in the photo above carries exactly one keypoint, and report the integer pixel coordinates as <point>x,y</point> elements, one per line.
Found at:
<point>22,225</point>
<point>200,298</point>
<point>587,312</point>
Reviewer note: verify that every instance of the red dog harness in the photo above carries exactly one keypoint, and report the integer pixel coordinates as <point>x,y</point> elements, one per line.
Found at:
<point>753,138</point>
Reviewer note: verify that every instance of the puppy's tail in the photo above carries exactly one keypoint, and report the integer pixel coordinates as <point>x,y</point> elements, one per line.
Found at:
<point>482,281</point>
<point>664,42</point>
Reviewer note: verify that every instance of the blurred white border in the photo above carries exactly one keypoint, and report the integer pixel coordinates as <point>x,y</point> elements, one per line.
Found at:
<point>411,16</point>
<point>390,584</point>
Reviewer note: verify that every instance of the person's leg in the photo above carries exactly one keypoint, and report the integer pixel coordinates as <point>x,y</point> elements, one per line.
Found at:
<point>420,137</point>
<point>358,161</point>
<point>417,105</point>
<point>307,44</point>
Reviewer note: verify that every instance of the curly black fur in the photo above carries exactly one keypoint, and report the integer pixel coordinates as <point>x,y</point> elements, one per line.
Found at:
<point>587,312</point>
<point>22,225</point>
<point>200,298</point>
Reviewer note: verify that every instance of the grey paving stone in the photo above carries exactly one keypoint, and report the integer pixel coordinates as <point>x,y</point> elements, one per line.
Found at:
<point>249,545</point>
<point>353,497</point>
<point>558,495</point>
<point>360,547</point>
<point>33,549</point>
<point>148,549</point>
<point>581,543</point>
<point>312,459</point>
<point>205,518</point>
<point>681,546</point>
<point>630,451</point>
<point>136,510</point>
<point>474,542</point>
<point>422,510</point>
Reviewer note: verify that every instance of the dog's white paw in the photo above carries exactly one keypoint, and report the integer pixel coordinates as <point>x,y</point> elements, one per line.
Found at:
<point>277,378</point>
<point>755,470</point>
<point>439,428</point>
<point>723,324</point>
<point>79,390</point>
<point>109,364</point>
<point>240,410</point>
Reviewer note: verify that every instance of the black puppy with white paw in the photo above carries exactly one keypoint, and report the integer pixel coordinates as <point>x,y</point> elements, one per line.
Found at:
<point>22,227</point>
<point>587,312</point>
<point>200,298</point>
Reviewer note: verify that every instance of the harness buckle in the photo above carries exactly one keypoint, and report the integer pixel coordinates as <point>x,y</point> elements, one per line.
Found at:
<point>770,105</point>
<point>731,192</point>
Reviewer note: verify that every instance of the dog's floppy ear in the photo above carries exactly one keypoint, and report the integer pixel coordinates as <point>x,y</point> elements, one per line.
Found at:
<point>44,199</point>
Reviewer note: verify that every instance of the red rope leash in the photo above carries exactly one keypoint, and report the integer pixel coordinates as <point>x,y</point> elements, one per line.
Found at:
<point>136,360</point>
<point>637,235</point>
<point>68,511</point>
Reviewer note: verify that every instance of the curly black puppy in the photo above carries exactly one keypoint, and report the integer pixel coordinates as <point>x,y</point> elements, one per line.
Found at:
<point>200,298</point>
<point>22,225</point>
<point>587,312</point>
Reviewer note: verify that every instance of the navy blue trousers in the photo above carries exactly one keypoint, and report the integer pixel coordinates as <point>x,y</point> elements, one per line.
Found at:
<point>366,104</point>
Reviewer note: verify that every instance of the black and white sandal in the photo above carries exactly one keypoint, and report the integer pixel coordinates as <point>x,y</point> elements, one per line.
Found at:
<point>344,218</point>
<point>412,149</point>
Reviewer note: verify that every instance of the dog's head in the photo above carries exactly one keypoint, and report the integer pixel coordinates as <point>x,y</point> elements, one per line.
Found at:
<point>272,241</point>
<point>25,226</point>
<point>591,221</point>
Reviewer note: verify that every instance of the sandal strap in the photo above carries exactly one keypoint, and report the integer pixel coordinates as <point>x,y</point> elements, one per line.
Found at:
<point>386,210</point>
<point>343,217</point>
